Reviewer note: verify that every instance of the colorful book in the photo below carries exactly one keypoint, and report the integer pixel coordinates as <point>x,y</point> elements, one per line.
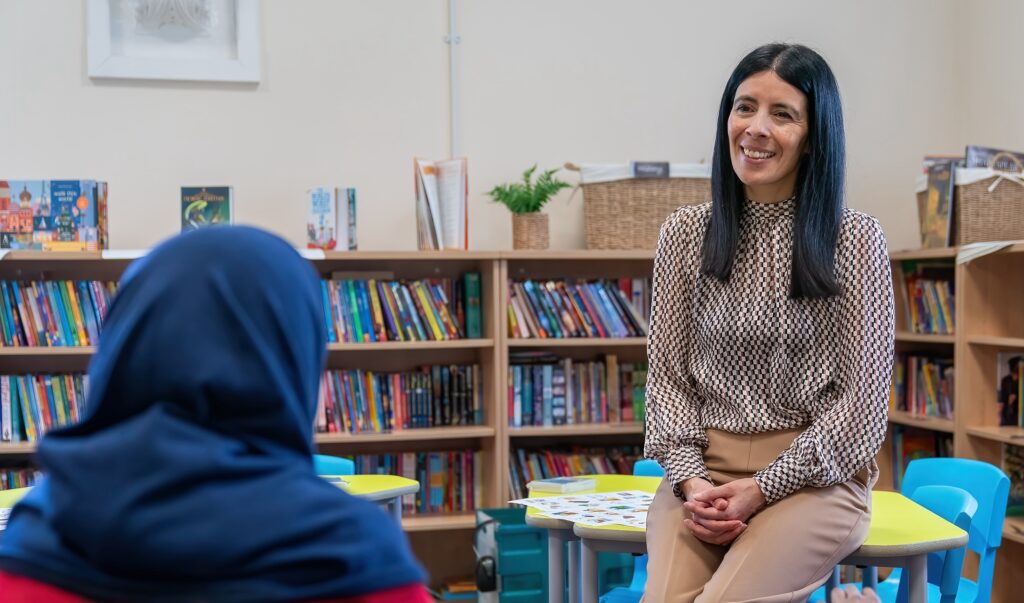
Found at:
<point>206,206</point>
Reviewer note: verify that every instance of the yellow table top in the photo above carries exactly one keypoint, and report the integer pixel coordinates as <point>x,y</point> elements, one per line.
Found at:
<point>899,527</point>
<point>375,487</point>
<point>9,497</point>
<point>370,487</point>
<point>605,483</point>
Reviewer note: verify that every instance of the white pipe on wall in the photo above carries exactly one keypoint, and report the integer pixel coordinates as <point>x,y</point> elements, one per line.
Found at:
<point>453,39</point>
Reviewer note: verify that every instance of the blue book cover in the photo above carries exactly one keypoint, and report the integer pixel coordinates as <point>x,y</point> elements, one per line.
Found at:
<point>75,217</point>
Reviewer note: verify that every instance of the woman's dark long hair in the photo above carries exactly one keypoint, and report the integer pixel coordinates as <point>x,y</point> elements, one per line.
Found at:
<point>820,176</point>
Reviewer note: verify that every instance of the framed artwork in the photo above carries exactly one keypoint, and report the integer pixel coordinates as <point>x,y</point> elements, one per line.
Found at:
<point>194,40</point>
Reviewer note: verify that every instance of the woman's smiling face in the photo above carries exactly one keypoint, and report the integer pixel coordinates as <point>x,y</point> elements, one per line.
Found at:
<point>767,136</point>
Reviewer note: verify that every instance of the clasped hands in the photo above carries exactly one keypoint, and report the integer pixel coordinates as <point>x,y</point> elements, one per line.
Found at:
<point>719,514</point>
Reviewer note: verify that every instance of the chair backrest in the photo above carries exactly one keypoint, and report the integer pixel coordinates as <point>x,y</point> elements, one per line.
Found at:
<point>988,485</point>
<point>958,507</point>
<point>333,465</point>
<point>648,468</point>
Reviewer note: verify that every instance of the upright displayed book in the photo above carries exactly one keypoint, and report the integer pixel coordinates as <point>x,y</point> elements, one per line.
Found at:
<point>997,159</point>
<point>53,215</point>
<point>331,222</point>
<point>937,214</point>
<point>442,190</point>
<point>203,206</point>
<point>1010,388</point>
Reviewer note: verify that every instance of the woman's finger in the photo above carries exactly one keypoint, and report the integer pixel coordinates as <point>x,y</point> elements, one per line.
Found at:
<point>706,512</point>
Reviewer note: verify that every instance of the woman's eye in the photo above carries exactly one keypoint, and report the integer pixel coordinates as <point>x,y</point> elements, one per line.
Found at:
<point>743,108</point>
<point>783,115</point>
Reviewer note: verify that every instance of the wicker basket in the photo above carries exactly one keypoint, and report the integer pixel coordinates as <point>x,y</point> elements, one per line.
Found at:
<point>988,205</point>
<point>530,231</point>
<point>627,213</point>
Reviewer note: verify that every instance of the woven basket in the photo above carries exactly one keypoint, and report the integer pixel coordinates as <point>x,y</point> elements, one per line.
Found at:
<point>628,213</point>
<point>980,214</point>
<point>530,231</point>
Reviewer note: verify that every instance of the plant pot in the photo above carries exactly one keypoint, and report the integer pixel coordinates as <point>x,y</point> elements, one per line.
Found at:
<point>530,231</point>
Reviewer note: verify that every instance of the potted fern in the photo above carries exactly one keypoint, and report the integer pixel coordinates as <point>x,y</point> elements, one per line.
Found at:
<point>525,200</point>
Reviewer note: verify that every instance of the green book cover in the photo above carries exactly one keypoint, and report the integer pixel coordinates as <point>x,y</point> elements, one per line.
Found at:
<point>205,206</point>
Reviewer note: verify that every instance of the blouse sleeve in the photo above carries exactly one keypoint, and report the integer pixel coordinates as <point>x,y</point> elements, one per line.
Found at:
<point>675,434</point>
<point>846,437</point>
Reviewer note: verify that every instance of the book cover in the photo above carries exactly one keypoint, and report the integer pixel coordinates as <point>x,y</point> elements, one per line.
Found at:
<point>74,217</point>
<point>1013,466</point>
<point>21,201</point>
<point>562,484</point>
<point>322,219</point>
<point>938,210</point>
<point>346,225</point>
<point>1010,388</point>
<point>997,159</point>
<point>205,206</point>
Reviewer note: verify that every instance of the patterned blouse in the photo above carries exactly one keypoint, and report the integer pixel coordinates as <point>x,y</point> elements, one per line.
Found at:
<point>741,356</point>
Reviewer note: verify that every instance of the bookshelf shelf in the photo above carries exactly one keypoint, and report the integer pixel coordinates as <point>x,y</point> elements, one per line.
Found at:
<point>408,435</point>
<point>908,337</point>
<point>576,342</point>
<point>424,523</point>
<point>1013,529</point>
<point>411,346</point>
<point>594,429</point>
<point>924,254</point>
<point>580,254</point>
<point>923,422</point>
<point>58,351</point>
<point>1006,435</point>
<point>999,342</point>
<point>18,449</point>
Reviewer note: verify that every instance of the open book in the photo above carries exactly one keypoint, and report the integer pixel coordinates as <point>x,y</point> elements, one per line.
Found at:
<point>441,193</point>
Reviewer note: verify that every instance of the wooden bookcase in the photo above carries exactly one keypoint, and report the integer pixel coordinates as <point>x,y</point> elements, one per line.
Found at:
<point>990,319</point>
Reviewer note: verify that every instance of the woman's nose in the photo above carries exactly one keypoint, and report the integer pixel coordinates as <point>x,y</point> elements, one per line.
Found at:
<point>758,125</point>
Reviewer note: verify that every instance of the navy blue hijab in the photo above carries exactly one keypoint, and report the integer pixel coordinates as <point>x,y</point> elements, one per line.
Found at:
<point>190,476</point>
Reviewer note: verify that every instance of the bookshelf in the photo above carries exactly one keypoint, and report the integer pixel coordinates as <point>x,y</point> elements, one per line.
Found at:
<point>988,294</point>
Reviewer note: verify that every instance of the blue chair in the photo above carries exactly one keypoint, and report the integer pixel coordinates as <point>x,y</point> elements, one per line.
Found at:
<point>633,592</point>
<point>954,505</point>
<point>333,465</point>
<point>990,488</point>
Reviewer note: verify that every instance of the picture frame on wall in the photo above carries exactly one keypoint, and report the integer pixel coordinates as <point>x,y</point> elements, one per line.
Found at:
<point>190,40</point>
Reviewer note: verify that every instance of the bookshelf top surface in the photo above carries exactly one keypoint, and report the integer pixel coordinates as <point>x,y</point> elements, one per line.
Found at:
<point>123,255</point>
<point>923,254</point>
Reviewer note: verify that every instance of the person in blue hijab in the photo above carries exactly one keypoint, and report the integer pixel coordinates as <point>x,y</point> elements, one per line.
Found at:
<point>190,476</point>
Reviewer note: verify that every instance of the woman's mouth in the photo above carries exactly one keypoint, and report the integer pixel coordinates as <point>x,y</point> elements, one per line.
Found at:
<point>757,155</point>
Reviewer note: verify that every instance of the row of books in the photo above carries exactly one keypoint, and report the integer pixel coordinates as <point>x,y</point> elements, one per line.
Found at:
<point>930,297</point>
<point>923,385</point>
<point>909,443</point>
<point>547,390</point>
<point>528,465</point>
<point>18,477</point>
<point>31,405</point>
<point>359,401</point>
<point>450,481</point>
<point>598,308</point>
<point>59,215</point>
<point>371,309</point>
<point>53,313</point>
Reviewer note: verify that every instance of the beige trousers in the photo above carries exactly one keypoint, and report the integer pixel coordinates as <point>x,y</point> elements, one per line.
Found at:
<point>788,549</point>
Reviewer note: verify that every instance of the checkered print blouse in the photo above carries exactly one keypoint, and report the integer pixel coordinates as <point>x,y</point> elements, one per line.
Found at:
<point>743,357</point>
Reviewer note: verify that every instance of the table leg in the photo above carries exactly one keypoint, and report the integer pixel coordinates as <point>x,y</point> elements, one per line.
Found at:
<point>917,574</point>
<point>556,565</point>
<point>396,509</point>
<point>589,562</point>
<point>574,571</point>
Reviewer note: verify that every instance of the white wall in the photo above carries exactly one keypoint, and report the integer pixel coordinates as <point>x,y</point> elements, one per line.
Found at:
<point>353,90</point>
